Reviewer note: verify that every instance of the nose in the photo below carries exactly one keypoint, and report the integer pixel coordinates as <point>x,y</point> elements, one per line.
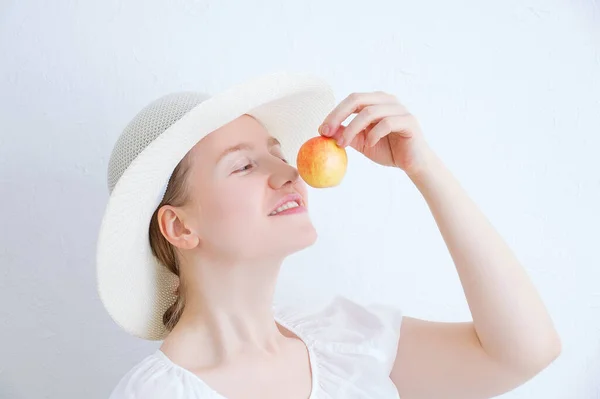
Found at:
<point>282,173</point>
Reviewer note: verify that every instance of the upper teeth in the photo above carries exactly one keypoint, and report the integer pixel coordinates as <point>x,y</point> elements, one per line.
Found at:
<point>287,205</point>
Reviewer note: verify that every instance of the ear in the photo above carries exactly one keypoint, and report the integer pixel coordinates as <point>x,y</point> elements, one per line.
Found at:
<point>173,228</point>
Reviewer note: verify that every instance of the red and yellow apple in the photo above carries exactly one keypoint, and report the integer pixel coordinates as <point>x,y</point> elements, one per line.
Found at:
<point>321,162</point>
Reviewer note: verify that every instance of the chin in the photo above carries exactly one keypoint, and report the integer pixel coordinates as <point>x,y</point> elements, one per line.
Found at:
<point>297,239</point>
<point>313,236</point>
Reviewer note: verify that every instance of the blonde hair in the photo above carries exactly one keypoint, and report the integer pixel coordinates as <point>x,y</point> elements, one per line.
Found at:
<point>175,195</point>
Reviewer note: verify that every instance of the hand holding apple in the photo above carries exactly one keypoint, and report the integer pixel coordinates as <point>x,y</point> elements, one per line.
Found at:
<point>383,130</point>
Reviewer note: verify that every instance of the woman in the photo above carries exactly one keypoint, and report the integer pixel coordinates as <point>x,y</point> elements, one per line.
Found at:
<point>234,208</point>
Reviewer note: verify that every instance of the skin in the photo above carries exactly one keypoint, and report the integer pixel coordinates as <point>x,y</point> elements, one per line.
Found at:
<point>231,253</point>
<point>227,332</point>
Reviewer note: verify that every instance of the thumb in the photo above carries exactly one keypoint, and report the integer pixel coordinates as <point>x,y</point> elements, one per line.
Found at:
<point>334,134</point>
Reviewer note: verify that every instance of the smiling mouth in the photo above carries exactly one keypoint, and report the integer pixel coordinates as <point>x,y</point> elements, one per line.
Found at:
<point>297,205</point>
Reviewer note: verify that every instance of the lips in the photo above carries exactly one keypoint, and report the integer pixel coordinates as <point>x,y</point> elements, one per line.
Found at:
<point>288,198</point>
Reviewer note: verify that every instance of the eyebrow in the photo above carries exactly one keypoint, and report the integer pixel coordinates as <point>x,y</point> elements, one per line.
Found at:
<point>271,141</point>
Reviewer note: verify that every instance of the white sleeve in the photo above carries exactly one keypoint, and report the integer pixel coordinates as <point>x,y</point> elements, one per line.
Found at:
<point>372,330</point>
<point>390,319</point>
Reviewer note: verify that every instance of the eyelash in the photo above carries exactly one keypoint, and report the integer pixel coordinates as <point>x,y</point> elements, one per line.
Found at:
<point>245,170</point>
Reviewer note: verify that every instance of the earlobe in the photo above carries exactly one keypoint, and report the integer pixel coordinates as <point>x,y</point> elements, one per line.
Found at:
<point>189,241</point>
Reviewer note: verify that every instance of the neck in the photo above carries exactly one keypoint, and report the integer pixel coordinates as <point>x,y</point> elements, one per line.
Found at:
<point>228,310</point>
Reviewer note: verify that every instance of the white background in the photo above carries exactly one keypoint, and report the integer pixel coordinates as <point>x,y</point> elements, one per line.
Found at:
<point>507,93</point>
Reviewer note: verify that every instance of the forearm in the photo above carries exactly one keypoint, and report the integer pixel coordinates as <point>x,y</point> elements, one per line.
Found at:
<point>510,319</point>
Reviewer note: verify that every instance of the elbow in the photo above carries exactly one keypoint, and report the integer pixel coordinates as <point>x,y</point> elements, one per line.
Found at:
<point>551,351</point>
<point>541,355</point>
<point>554,350</point>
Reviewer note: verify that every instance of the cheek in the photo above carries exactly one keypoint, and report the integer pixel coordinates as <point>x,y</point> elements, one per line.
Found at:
<point>237,206</point>
<point>234,209</point>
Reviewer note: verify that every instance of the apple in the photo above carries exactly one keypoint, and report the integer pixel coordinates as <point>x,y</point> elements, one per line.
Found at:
<point>321,162</point>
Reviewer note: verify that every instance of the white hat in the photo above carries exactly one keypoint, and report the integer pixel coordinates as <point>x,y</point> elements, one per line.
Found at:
<point>133,286</point>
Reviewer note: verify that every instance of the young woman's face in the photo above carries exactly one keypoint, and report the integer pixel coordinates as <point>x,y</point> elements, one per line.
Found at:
<point>234,192</point>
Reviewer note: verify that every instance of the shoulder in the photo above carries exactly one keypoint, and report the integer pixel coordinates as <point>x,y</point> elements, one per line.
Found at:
<point>349,326</point>
<point>343,313</point>
<point>352,346</point>
<point>155,378</point>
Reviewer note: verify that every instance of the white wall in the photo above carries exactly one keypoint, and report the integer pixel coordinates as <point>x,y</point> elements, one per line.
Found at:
<point>508,94</point>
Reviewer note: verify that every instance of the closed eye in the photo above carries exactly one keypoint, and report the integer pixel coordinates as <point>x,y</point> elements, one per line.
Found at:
<point>282,157</point>
<point>245,167</point>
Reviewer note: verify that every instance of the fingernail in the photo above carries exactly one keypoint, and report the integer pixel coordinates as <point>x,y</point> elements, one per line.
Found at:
<point>325,130</point>
<point>340,141</point>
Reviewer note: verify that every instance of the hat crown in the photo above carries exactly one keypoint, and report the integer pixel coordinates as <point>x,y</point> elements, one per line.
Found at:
<point>146,126</point>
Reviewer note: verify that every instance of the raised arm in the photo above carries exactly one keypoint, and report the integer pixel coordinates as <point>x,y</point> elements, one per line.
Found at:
<point>511,338</point>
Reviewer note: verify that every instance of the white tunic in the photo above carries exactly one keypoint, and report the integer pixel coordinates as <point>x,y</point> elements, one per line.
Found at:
<point>351,347</point>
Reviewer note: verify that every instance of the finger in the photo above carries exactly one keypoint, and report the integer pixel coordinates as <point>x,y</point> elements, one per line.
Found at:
<point>401,124</point>
<point>367,116</point>
<point>351,104</point>
<point>358,142</point>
